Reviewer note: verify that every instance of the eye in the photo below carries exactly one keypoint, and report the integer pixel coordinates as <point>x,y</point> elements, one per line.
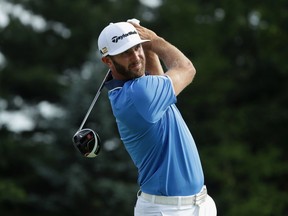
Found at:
<point>125,53</point>
<point>137,47</point>
<point>131,50</point>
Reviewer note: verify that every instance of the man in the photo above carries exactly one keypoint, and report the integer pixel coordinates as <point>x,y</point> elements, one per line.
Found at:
<point>151,127</point>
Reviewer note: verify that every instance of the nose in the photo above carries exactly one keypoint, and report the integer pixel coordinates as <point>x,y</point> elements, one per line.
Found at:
<point>134,54</point>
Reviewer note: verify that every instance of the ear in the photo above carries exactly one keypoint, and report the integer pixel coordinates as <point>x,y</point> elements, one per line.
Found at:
<point>106,61</point>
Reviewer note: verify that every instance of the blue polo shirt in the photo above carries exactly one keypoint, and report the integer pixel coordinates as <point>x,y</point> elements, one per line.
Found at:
<point>156,136</point>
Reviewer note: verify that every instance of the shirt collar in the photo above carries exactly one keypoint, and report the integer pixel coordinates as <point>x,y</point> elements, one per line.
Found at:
<point>113,83</point>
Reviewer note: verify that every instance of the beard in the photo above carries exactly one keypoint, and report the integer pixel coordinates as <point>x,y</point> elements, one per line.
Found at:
<point>129,73</point>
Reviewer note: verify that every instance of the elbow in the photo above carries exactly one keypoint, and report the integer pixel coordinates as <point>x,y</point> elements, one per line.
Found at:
<point>192,72</point>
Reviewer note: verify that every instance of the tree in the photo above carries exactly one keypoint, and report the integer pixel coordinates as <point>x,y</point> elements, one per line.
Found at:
<point>236,107</point>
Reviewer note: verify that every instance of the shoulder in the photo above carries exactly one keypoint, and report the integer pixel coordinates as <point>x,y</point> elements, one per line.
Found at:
<point>150,82</point>
<point>151,88</point>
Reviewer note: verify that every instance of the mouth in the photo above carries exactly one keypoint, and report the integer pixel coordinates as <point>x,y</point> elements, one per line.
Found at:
<point>135,66</point>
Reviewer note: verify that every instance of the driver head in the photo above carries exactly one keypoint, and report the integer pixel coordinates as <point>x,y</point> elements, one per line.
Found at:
<point>87,142</point>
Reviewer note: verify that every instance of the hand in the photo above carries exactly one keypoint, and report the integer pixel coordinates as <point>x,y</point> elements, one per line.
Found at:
<point>153,64</point>
<point>145,34</point>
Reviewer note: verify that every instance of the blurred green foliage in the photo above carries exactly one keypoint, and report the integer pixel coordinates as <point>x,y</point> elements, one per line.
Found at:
<point>236,108</point>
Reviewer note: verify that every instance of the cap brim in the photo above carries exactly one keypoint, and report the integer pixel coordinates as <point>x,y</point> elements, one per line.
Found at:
<point>126,47</point>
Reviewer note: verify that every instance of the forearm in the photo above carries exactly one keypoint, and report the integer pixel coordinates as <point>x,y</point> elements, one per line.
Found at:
<point>172,57</point>
<point>153,64</point>
<point>180,68</point>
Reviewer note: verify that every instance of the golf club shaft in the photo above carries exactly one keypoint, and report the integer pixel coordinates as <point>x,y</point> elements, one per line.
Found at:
<point>94,101</point>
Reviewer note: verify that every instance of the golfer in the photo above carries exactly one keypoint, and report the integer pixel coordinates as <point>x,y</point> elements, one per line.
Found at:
<point>143,99</point>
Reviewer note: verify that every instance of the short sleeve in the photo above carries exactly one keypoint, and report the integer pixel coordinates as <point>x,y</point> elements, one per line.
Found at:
<point>152,95</point>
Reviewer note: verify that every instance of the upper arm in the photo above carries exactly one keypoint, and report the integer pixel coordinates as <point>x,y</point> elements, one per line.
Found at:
<point>181,77</point>
<point>152,96</point>
<point>180,68</point>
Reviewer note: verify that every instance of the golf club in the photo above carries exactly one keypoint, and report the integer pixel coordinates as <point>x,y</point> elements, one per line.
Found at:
<point>94,100</point>
<point>86,140</point>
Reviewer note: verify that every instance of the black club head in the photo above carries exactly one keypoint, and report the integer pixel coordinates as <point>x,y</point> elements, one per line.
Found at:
<point>87,142</point>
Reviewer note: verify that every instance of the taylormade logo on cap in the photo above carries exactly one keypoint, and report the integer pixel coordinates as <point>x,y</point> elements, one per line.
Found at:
<point>117,38</point>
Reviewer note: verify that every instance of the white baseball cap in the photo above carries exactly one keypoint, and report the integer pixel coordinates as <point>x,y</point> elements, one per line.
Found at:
<point>117,38</point>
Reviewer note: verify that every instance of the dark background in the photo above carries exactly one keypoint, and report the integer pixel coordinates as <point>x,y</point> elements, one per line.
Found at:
<point>236,106</point>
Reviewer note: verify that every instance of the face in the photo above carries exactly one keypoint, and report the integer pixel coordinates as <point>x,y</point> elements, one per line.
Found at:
<point>129,64</point>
